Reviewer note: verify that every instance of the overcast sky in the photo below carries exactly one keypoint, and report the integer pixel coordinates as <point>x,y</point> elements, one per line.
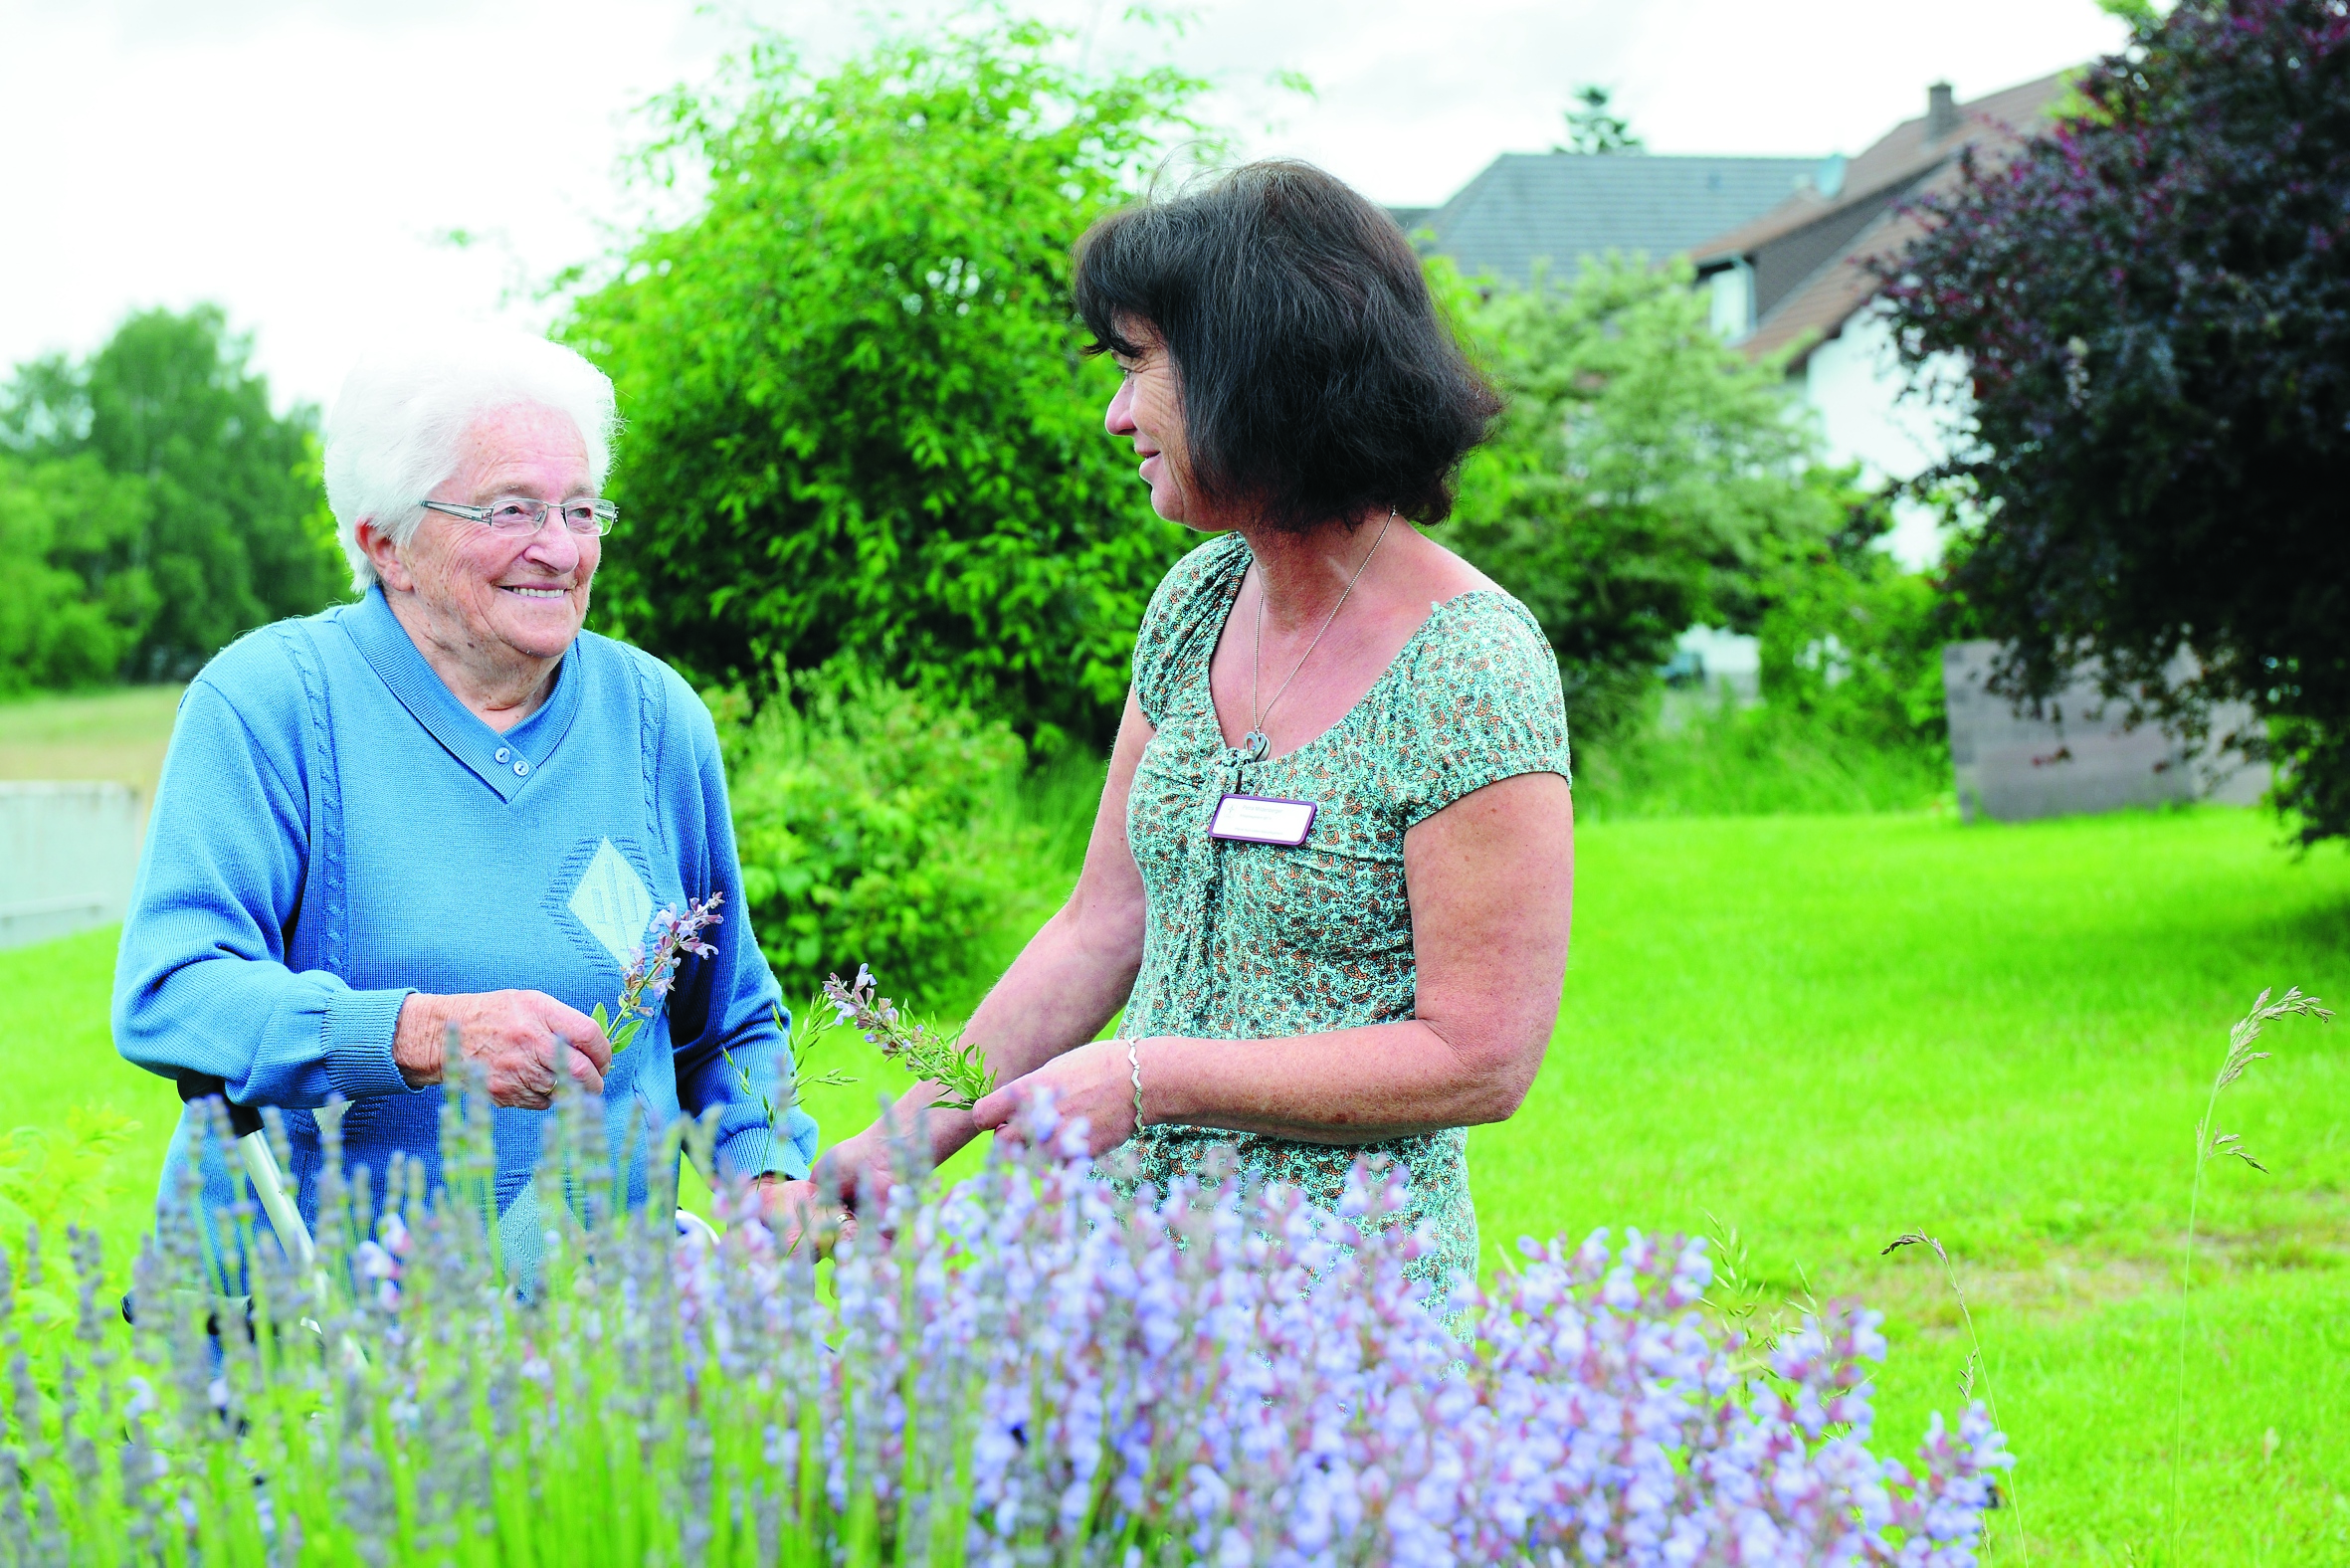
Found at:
<point>298,161</point>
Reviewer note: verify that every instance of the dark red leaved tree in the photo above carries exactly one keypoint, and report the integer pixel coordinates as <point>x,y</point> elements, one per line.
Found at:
<point>2154,301</point>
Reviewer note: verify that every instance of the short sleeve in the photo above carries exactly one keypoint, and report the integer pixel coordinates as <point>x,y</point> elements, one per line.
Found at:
<point>1185,607</point>
<point>1485,704</point>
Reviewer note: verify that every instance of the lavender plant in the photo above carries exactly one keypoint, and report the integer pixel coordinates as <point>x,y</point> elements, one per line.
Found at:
<point>652,969</point>
<point>932,1055</point>
<point>1021,1369</point>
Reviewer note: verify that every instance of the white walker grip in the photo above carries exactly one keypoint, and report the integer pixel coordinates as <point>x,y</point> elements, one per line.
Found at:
<point>260,1166</point>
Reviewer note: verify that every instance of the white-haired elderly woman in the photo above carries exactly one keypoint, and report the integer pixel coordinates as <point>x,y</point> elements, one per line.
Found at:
<point>446,812</point>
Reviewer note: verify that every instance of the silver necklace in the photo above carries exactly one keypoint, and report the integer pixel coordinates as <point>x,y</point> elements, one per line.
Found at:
<point>1255,743</point>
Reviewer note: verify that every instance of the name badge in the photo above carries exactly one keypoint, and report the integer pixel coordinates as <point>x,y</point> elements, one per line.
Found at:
<point>1252,819</point>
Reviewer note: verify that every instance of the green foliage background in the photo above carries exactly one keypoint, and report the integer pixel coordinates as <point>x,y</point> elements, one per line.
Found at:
<point>868,819</point>
<point>859,419</point>
<point>156,476</point>
<point>1646,477</point>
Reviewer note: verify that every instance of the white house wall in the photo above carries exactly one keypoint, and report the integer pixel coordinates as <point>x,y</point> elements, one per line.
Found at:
<point>1854,382</point>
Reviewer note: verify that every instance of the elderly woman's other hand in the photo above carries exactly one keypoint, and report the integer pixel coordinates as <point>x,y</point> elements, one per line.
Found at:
<point>516,1035</point>
<point>796,1212</point>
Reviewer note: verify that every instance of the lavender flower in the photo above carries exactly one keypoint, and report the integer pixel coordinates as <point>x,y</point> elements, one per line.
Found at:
<point>929,1053</point>
<point>652,969</point>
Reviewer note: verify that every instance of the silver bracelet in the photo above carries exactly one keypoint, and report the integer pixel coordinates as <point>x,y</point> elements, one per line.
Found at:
<point>1135,1062</point>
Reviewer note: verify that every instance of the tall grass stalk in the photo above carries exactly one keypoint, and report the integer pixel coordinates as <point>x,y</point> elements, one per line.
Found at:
<point>2211,1144</point>
<point>1976,1365</point>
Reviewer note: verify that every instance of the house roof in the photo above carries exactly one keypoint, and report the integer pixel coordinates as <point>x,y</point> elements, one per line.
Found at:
<point>1809,253</point>
<point>1564,207</point>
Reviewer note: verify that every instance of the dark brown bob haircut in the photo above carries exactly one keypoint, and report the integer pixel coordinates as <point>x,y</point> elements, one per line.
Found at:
<point>1318,380</point>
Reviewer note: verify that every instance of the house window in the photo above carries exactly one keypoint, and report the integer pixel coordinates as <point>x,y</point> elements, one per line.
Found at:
<point>1732,294</point>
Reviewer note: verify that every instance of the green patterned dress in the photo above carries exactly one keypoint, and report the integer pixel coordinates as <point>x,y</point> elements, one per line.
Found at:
<point>1252,941</point>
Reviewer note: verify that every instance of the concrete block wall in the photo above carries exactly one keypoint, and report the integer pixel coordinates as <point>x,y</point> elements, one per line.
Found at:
<point>2011,768</point>
<point>67,855</point>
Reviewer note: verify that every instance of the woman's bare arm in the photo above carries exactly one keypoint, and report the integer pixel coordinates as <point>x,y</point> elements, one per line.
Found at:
<point>1069,980</point>
<point>1491,883</point>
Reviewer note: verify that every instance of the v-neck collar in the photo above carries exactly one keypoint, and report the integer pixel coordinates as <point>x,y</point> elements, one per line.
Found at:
<point>508,762</point>
<point>1243,557</point>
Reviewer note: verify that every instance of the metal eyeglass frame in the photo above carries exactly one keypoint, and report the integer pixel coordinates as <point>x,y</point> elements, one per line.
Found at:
<point>605,512</point>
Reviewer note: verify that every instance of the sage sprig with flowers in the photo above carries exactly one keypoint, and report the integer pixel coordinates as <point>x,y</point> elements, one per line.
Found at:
<point>930,1054</point>
<point>653,967</point>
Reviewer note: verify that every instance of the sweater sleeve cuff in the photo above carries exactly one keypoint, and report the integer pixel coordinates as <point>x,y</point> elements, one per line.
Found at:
<point>754,1151</point>
<point>748,1155</point>
<point>359,1030</point>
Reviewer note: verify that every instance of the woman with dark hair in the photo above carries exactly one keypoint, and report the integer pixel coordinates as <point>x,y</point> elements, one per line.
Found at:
<point>1331,880</point>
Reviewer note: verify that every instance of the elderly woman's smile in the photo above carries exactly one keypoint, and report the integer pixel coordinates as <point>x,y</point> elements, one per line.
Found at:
<point>492,611</point>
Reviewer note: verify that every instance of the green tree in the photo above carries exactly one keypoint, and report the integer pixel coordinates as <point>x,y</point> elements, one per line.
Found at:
<point>1594,128</point>
<point>236,533</point>
<point>70,607</point>
<point>859,418</point>
<point>1646,477</point>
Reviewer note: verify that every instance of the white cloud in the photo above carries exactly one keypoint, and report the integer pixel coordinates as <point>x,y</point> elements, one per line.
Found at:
<point>295,159</point>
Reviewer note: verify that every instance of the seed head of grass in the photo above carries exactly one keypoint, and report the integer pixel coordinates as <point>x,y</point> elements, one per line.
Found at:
<point>2210,1143</point>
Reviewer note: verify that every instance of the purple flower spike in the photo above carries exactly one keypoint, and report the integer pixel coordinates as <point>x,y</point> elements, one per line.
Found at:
<point>653,966</point>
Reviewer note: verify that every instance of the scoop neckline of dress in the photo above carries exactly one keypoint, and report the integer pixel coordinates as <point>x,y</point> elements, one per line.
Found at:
<point>1232,597</point>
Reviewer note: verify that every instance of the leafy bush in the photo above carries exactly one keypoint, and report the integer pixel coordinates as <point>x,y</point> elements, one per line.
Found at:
<point>1851,645</point>
<point>858,417</point>
<point>1645,478</point>
<point>871,823</point>
<point>1852,717</point>
<point>1023,1370</point>
<point>2153,304</point>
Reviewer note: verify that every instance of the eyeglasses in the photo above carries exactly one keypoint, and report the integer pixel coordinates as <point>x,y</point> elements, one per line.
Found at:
<point>518,516</point>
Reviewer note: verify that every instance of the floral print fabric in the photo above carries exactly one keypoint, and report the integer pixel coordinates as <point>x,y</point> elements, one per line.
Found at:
<point>1252,941</point>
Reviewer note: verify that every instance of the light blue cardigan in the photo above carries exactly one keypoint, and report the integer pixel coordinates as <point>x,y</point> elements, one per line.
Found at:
<point>334,830</point>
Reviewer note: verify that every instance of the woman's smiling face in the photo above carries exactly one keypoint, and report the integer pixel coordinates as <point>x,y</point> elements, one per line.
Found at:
<point>1148,410</point>
<point>504,597</point>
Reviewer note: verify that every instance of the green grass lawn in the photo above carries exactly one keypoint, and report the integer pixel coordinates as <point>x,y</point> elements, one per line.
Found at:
<point>1826,1031</point>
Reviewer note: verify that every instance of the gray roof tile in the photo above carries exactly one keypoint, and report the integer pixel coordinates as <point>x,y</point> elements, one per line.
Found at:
<point>1566,207</point>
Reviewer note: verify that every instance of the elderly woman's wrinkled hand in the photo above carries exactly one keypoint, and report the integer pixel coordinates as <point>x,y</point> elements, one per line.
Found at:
<point>518,1037</point>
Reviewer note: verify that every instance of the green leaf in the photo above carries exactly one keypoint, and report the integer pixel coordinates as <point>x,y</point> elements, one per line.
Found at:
<point>628,1032</point>
<point>603,1020</point>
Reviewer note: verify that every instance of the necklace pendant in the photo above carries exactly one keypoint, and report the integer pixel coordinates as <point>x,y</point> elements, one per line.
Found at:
<point>1253,746</point>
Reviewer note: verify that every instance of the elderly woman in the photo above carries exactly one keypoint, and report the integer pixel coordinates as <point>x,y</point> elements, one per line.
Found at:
<point>447,813</point>
<point>1331,880</point>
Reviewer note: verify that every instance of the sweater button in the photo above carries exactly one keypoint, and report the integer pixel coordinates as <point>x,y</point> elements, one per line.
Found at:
<point>503,755</point>
<point>522,768</point>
